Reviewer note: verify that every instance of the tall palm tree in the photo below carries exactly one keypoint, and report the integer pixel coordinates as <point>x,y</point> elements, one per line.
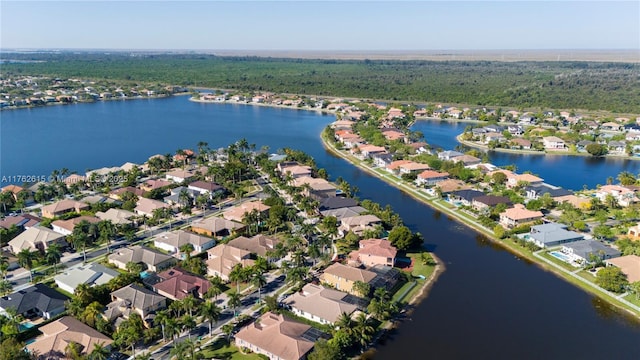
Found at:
<point>107,230</point>
<point>4,266</point>
<point>53,255</point>
<point>236,275</point>
<point>180,350</point>
<point>188,323</point>
<point>234,301</point>
<point>345,323</point>
<point>80,239</point>
<point>210,312</point>
<point>99,352</point>
<point>172,328</point>
<point>189,303</point>
<point>258,280</point>
<point>25,259</point>
<point>363,330</point>
<point>5,287</point>
<point>91,313</point>
<point>186,249</point>
<point>73,351</point>
<point>161,319</point>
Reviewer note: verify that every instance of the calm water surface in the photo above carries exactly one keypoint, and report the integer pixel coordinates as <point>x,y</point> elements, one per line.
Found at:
<point>487,305</point>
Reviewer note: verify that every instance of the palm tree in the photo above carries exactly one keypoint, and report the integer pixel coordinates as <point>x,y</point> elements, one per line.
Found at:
<point>258,280</point>
<point>179,350</point>
<point>217,285</point>
<point>145,356</point>
<point>83,294</point>
<point>172,328</point>
<point>73,351</point>
<point>25,259</point>
<point>345,323</point>
<point>234,301</point>
<point>4,266</point>
<point>236,275</point>
<point>53,255</point>
<point>5,287</point>
<point>363,330</point>
<point>211,312</point>
<point>106,229</point>
<point>99,352</point>
<point>189,303</point>
<point>188,323</point>
<point>161,318</point>
<point>91,313</point>
<point>80,239</point>
<point>186,249</point>
<point>227,329</point>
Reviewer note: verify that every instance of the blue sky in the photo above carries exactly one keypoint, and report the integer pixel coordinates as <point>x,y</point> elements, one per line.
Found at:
<point>320,25</point>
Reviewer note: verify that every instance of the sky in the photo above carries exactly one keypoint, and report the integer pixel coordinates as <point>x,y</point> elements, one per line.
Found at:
<point>319,25</point>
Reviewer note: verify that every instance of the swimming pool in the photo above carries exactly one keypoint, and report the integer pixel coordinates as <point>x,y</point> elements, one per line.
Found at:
<point>145,274</point>
<point>26,326</point>
<point>561,256</point>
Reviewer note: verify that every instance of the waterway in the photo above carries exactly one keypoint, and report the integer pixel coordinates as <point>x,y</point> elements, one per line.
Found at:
<point>487,305</point>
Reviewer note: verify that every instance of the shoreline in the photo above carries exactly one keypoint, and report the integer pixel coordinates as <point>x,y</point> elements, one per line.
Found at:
<point>233,102</point>
<point>513,249</point>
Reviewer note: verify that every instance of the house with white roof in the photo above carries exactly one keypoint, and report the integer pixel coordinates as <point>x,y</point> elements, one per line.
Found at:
<point>91,274</point>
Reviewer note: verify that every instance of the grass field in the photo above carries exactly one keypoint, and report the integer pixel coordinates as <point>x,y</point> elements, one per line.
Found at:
<point>221,349</point>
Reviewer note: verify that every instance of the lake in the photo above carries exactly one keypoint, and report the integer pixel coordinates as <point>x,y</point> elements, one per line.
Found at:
<point>488,304</point>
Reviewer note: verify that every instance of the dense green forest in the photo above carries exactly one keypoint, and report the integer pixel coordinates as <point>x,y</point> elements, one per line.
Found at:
<point>542,85</point>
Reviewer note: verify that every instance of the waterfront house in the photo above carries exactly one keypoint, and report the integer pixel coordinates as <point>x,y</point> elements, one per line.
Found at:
<point>412,167</point>
<point>450,185</point>
<point>366,151</point>
<point>62,207</point>
<point>358,224</point>
<point>172,242</point>
<point>520,143</point>
<point>582,251</point>
<point>176,284</point>
<point>372,252</point>
<point>518,215</point>
<point>91,274</point>
<point>467,160</point>
<point>431,177</point>
<point>382,160</point>
<point>130,299</point>
<point>344,212</point>
<point>65,227</point>
<point>448,155</point>
<point>552,234</point>
<point>153,260</point>
<point>343,277</point>
<point>623,195</point>
<point>342,124</point>
<point>629,265</point>
<point>493,136</point>
<point>553,143</point>
<point>116,216</point>
<point>277,337</point>
<point>147,207</point>
<point>394,166</point>
<point>617,147</point>
<point>259,244</point>
<point>484,203</point>
<point>223,258</point>
<point>315,188</point>
<point>581,146</point>
<point>215,226</point>
<point>320,304</point>
<point>464,197</point>
<point>294,170</point>
<point>336,202</point>
<point>35,238</point>
<point>56,337</point>
<point>37,301</point>
<point>238,212</point>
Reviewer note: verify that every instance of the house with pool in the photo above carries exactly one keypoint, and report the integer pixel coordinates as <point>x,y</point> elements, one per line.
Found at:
<point>583,251</point>
<point>551,234</point>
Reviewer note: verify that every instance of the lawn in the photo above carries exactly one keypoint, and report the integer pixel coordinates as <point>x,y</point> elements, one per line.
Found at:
<point>221,349</point>
<point>419,268</point>
<point>633,298</point>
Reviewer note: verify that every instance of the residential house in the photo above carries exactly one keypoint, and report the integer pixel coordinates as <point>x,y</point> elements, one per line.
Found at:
<point>315,188</point>
<point>223,258</point>
<point>412,167</point>
<point>208,188</point>
<point>175,197</point>
<point>293,169</point>
<point>176,284</point>
<point>22,221</point>
<point>172,241</point>
<point>131,299</point>
<point>153,260</point>
<point>611,126</point>
<point>179,176</point>
<point>634,232</point>
<point>336,202</point>
<point>57,335</point>
<point>485,203</point>
<point>448,155</point>
<point>394,166</point>
<point>552,234</point>
<point>259,244</point>
<point>518,215</point>
<point>467,160</point>
<point>117,194</point>
<point>342,124</point>
<point>493,136</point>
<point>520,143</point>
<point>392,134</point>
<point>35,238</point>
<point>515,130</point>
<point>277,337</point>
<point>62,207</point>
<point>431,177</point>
<point>65,227</point>
<point>582,251</point>
<point>372,252</point>
<point>237,213</point>
<point>382,160</point>
<point>577,201</point>
<point>15,190</point>
<point>617,147</point>
<point>116,216</point>
<point>581,145</point>
<point>450,185</point>
<point>147,207</point>
<point>537,191</point>
<point>464,197</point>
<point>366,151</point>
<point>74,179</point>
<point>358,224</point>
<point>37,301</point>
<point>215,226</point>
<point>553,143</point>
<point>153,184</point>
<point>629,265</point>
<point>419,147</point>
<point>90,274</point>
<point>623,195</point>
<point>345,212</point>
<point>343,277</point>
<point>320,304</point>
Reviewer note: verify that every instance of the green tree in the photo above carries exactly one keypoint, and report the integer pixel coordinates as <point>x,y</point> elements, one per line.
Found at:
<point>53,255</point>
<point>210,312</point>
<point>596,149</point>
<point>612,279</point>
<point>234,301</point>
<point>99,352</point>
<point>258,280</point>
<point>326,350</point>
<point>402,238</point>
<point>362,288</point>
<point>25,259</point>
